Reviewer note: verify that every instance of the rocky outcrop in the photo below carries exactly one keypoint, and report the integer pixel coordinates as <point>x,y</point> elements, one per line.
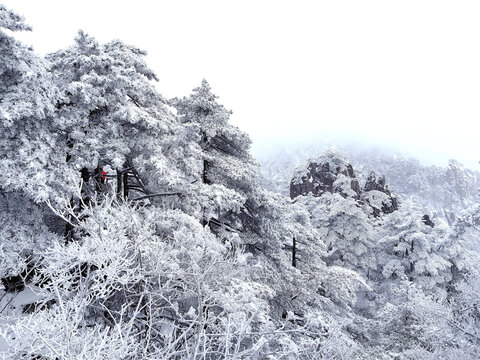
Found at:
<point>459,179</point>
<point>378,196</point>
<point>329,173</point>
<point>332,173</point>
<point>373,184</point>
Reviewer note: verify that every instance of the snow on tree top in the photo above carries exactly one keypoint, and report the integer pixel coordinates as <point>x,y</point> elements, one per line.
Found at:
<point>11,21</point>
<point>335,160</point>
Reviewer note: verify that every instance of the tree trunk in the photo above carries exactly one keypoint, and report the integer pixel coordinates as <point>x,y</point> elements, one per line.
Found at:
<point>119,183</point>
<point>294,252</point>
<point>68,227</point>
<point>204,173</point>
<point>125,185</point>
<point>68,235</point>
<point>99,180</point>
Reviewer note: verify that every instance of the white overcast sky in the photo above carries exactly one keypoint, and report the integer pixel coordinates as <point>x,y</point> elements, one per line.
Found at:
<point>404,73</point>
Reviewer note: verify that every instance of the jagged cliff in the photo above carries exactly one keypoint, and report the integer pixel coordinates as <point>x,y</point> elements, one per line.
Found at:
<point>327,173</point>
<point>332,173</point>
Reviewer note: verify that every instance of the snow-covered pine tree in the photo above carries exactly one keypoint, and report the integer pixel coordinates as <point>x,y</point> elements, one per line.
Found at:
<point>112,116</point>
<point>226,167</point>
<point>28,136</point>
<point>28,153</point>
<point>409,247</point>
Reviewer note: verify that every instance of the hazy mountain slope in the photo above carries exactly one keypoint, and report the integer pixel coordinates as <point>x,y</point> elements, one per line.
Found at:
<point>438,189</point>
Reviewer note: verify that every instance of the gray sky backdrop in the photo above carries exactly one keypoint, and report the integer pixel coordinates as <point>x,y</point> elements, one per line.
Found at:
<point>403,73</point>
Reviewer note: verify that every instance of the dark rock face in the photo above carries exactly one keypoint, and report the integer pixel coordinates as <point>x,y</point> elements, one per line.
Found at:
<point>372,184</point>
<point>320,178</point>
<point>427,221</point>
<point>331,173</point>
